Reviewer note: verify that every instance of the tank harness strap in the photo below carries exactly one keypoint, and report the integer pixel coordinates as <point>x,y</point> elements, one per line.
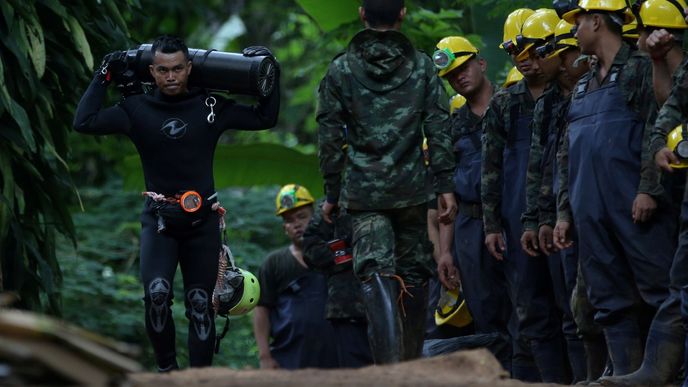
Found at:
<point>514,109</point>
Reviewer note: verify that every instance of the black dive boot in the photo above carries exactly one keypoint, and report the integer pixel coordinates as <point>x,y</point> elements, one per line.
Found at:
<point>380,295</point>
<point>661,363</point>
<point>413,317</point>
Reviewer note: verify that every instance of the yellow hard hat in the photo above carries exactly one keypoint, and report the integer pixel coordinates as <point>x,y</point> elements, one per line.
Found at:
<point>456,102</point>
<point>663,14</point>
<point>512,27</point>
<point>537,30</point>
<point>452,52</point>
<point>630,30</point>
<point>292,196</point>
<point>452,309</point>
<point>563,39</point>
<point>679,145</point>
<point>513,77</point>
<point>619,6</point>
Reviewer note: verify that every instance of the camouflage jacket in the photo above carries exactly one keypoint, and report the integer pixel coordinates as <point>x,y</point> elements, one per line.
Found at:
<point>635,83</point>
<point>344,294</point>
<point>496,126</point>
<point>380,97</point>
<point>549,117</point>
<point>674,111</point>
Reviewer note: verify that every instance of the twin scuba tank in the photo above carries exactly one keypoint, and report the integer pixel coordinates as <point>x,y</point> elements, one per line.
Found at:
<point>228,72</point>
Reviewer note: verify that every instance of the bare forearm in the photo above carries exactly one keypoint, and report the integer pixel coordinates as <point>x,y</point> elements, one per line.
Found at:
<point>261,330</point>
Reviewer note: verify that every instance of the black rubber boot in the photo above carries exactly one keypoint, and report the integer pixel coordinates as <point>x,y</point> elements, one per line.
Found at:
<point>550,357</point>
<point>380,295</point>
<point>577,359</point>
<point>413,317</point>
<point>624,346</point>
<point>661,363</point>
<point>595,357</point>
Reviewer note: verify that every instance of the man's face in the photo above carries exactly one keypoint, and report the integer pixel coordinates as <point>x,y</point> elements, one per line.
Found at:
<point>468,78</point>
<point>529,68</point>
<point>550,66</point>
<point>585,33</point>
<point>568,57</point>
<point>171,72</point>
<point>295,222</point>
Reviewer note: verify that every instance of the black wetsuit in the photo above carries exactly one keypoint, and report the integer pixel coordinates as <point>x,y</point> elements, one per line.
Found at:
<point>176,144</point>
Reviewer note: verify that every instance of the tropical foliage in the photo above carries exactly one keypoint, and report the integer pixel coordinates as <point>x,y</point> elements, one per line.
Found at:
<point>46,50</point>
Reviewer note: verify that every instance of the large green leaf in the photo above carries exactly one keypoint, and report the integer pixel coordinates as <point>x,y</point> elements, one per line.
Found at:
<point>80,40</point>
<point>331,14</point>
<point>34,32</point>
<point>246,166</point>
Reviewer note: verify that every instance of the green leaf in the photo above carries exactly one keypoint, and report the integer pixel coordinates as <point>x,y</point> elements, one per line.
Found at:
<point>330,14</point>
<point>246,166</point>
<point>7,13</point>
<point>80,40</point>
<point>113,11</point>
<point>34,32</point>
<point>56,7</point>
<point>19,115</point>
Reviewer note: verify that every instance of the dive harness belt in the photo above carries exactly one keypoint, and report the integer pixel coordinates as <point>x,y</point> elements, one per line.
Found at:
<point>182,211</point>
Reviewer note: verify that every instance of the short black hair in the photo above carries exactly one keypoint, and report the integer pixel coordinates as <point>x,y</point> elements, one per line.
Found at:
<point>382,12</point>
<point>169,44</point>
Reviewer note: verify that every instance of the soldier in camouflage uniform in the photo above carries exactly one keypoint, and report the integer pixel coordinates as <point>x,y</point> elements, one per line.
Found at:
<point>614,195</point>
<point>380,97</point>
<point>503,189</point>
<point>327,248</point>
<point>556,55</point>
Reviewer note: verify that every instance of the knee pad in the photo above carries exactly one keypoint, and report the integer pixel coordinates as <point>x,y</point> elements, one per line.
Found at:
<point>199,312</point>
<point>158,300</point>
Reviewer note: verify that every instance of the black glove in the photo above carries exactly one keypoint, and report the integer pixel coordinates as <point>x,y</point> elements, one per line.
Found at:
<point>257,51</point>
<point>113,63</point>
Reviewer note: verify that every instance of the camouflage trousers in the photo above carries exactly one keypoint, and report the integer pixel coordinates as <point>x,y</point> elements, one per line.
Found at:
<point>393,241</point>
<point>582,309</point>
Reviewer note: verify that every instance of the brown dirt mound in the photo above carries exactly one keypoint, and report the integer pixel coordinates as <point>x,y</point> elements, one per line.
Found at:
<point>464,368</point>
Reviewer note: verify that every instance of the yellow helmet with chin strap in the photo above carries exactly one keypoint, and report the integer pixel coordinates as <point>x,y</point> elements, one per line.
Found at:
<point>630,30</point>
<point>677,141</point>
<point>452,52</point>
<point>537,30</point>
<point>452,309</point>
<point>513,77</point>
<point>563,40</point>
<point>292,196</point>
<point>615,6</point>
<point>662,14</point>
<point>512,27</point>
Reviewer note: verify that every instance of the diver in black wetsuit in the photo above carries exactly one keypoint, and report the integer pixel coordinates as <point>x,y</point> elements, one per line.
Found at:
<point>175,130</point>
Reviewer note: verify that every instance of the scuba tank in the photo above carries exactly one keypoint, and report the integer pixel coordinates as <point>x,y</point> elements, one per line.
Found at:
<point>213,70</point>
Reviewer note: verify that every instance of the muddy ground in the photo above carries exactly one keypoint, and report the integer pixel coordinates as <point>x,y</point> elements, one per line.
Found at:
<point>465,368</point>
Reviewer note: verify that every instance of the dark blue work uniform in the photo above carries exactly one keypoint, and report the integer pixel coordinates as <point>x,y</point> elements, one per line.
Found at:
<point>482,277</point>
<point>503,191</point>
<point>296,298</point>
<point>620,260</point>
